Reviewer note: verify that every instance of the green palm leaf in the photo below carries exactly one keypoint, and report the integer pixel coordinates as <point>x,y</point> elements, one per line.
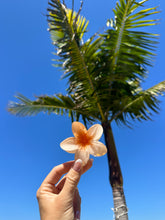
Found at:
<point>142,105</point>
<point>74,55</point>
<point>47,104</point>
<point>130,51</point>
<point>59,104</point>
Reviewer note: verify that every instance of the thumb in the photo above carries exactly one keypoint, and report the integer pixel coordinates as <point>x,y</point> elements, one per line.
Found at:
<point>72,179</point>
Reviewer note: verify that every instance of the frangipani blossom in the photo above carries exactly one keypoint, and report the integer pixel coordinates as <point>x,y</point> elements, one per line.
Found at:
<point>84,142</point>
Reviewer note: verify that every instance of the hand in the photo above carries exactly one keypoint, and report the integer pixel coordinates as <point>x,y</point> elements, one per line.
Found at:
<point>60,199</point>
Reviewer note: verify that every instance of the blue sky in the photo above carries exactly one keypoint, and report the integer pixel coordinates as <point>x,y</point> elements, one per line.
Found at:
<point>29,147</point>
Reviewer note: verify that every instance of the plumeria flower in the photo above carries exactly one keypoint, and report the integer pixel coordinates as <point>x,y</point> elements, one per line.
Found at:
<point>84,142</point>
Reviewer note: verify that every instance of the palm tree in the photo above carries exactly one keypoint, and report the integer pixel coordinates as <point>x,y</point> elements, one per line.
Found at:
<point>104,75</point>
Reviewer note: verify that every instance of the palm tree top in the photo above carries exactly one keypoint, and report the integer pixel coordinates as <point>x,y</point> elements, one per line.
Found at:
<point>105,72</point>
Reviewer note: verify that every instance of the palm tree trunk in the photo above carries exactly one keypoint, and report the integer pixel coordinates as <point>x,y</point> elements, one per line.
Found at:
<point>115,174</point>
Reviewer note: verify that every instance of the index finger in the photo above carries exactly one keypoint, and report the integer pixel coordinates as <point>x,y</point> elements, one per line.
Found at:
<point>55,174</point>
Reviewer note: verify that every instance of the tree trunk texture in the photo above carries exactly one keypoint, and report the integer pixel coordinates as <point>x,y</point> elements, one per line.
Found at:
<point>120,207</point>
<point>115,175</point>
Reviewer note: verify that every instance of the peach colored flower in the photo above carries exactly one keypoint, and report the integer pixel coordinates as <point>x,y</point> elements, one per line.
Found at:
<point>84,142</point>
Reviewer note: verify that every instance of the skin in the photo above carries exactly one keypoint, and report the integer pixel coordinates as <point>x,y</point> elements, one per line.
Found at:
<point>58,197</point>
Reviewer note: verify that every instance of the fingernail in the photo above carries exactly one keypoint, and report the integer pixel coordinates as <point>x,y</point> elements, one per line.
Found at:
<point>78,215</point>
<point>77,165</point>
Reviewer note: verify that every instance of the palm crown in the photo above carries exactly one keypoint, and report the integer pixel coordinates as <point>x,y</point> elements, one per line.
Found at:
<point>105,72</point>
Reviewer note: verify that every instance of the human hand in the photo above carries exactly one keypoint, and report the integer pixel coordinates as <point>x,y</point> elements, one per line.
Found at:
<point>59,199</point>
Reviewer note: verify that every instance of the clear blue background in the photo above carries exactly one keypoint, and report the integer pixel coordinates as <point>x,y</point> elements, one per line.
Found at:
<point>29,147</point>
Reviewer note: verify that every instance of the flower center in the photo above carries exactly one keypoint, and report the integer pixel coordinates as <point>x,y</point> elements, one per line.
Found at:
<point>83,139</point>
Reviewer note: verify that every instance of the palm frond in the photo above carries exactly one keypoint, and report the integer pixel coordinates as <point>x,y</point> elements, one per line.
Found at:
<point>130,51</point>
<point>142,105</point>
<point>71,53</point>
<point>59,104</point>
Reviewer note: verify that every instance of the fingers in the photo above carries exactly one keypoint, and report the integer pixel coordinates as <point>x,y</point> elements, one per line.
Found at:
<point>85,168</point>
<point>55,174</point>
<point>72,180</point>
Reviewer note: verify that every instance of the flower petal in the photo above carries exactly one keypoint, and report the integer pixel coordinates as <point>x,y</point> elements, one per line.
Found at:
<point>78,128</point>
<point>97,149</point>
<point>95,131</point>
<point>83,155</point>
<point>69,145</point>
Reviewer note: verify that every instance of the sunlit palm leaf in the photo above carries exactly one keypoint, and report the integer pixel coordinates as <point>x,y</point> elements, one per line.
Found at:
<point>142,105</point>
<point>130,51</point>
<point>71,52</point>
<point>59,104</point>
